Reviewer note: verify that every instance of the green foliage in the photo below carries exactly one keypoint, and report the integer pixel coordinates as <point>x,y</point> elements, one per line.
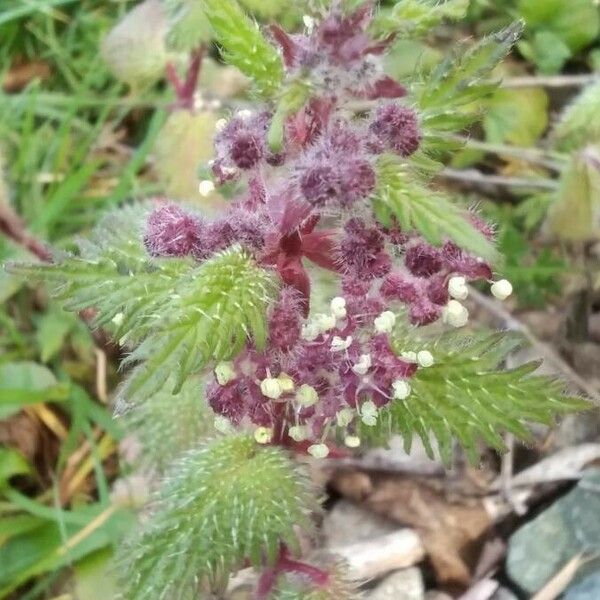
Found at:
<point>464,396</point>
<point>446,98</point>
<point>412,18</point>
<point>244,46</point>
<point>574,213</point>
<point>181,314</point>
<point>579,123</point>
<point>399,195</point>
<point>223,503</point>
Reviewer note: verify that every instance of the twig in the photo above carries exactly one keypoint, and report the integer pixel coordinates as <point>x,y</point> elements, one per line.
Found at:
<point>545,350</point>
<point>550,81</point>
<point>548,159</point>
<point>474,177</point>
<point>13,227</point>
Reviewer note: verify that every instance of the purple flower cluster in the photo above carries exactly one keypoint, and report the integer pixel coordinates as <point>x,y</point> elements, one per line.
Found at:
<point>310,203</point>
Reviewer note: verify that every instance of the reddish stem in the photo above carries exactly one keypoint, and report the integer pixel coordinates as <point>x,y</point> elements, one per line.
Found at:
<point>13,227</point>
<point>186,88</point>
<point>286,564</point>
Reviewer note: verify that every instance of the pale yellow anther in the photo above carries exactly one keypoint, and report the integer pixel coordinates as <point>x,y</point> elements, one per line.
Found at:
<point>307,395</point>
<point>263,435</point>
<point>384,323</point>
<point>225,372</point>
<point>318,450</point>
<point>271,388</point>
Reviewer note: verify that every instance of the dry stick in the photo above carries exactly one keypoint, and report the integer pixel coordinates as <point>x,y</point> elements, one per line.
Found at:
<point>474,177</point>
<point>551,81</point>
<point>545,350</point>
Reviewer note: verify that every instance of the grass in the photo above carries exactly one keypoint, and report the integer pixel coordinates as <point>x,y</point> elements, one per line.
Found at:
<point>74,144</point>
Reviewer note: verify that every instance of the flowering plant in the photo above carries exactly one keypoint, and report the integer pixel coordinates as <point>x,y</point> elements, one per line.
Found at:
<point>332,172</point>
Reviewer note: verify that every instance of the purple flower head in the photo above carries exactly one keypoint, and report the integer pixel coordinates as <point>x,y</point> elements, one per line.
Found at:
<point>424,312</point>
<point>362,250</point>
<point>398,128</point>
<point>171,231</point>
<point>227,400</point>
<point>320,183</point>
<point>397,286</point>
<point>358,180</point>
<point>423,260</point>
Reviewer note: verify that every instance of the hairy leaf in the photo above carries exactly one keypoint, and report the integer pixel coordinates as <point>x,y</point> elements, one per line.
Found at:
<point>216,309</point>
<point>464,397</point>
<point>447,96</point>
<point>430,213</point>
<point>412,18</point>
<point>244,46</point>
<point>223,503</point>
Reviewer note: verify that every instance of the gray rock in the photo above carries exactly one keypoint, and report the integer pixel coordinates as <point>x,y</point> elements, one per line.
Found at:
<point>539,549</point>
<point>406,584</point>
<point>347,524</point>
<point>586,589</point>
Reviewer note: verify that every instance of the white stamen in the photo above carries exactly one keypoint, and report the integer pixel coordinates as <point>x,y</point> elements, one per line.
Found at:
<point>224,372</point>
<point>220,124</point>
<point>455,314</point>
<point>339,344</point>
<point>318,450</point>
<point>206,187</point>
<point>263,435</point>
<point>271,388</point>
<point>286,383</point>
<point>401,389</point>
<point>384,323</point>
<point>352,441</point>
<point>344,417</point>
<point>244,113</point>
<point>502,289</point>
<point>425,358</point>
<point>338,307</point>
<point>368,413</point>
<point>307,395</point>
<point>457,288</point>
<point>310,331</point>
<point>223,424</point>
<point>298,433</point>
<point>363,364</point>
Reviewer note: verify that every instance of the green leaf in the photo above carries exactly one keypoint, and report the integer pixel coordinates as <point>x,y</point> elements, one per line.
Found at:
<point>464,396</point>
<point>546,50</point>
<point>432,214</point>
<point>216,310</point>
<point>244,46</point>
<point>12,463</point>
<point>518,117</point>
<point>447,97</point>
<point>223,503</point>
<point>24,383</point>
<point>412,18</point>
<point>579,123</point>
<point>574,213</point>
<point>52,329</point>
<point>576,22</point>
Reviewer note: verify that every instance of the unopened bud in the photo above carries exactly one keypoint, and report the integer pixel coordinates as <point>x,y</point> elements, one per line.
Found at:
<point>425,358</point>
<point>224,372</point>
<point>457,288</point>
<point>271,388</point>
<point>502,289</point>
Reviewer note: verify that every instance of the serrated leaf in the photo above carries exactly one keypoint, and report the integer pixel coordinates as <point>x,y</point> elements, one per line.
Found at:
<point>412,18</point>
<point>447,97</point>
<point>244,46</point>
<point>432,214</point>
<point>223,503</point>
<point>464,396</point>
<point>216,309</point>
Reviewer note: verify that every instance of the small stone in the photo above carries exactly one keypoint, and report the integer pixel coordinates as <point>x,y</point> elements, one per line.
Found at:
<point>406,584</point>
<point>346,524</point>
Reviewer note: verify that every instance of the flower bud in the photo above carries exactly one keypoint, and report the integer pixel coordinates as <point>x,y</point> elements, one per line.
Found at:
<point>263,435</point>
<point>338,307</point>
<point>455,314</point>
<point>368,413</point>
<point>318,450</point>
<point>457,288</point>
<point>401,389</point>
<point>286,383</point>
<point>384,323</point>
<point>271,388</point>
<point>344,417</point>
<point>224,372</point>
<point>425,358</point>
<point>298,433</point>
<point>502,289</point>
<point>363,364</point>
<point>352,441</point>
<point>307,395</point>
<point>339,344</point>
